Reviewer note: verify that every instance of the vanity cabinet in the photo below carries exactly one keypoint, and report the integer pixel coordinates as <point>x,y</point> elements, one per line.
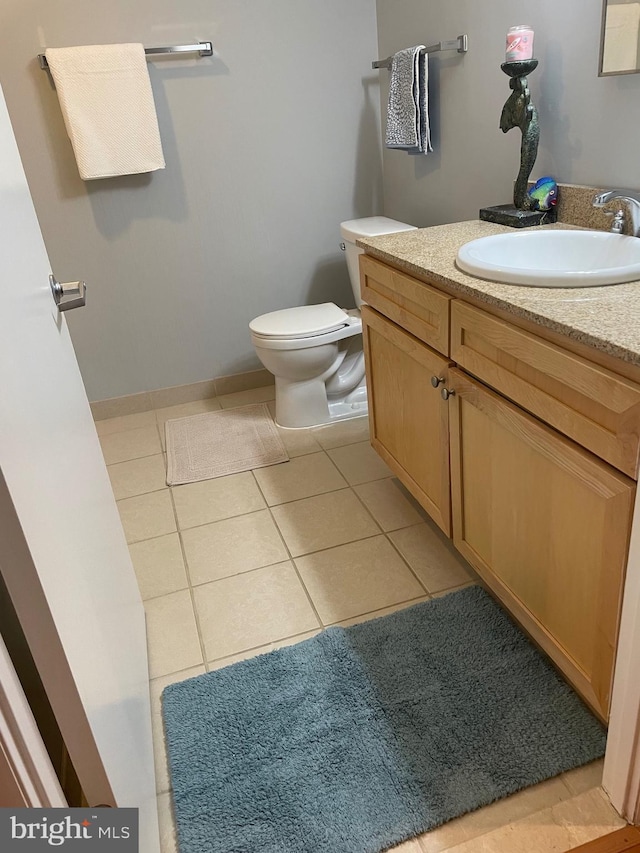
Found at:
<point>529,464</point>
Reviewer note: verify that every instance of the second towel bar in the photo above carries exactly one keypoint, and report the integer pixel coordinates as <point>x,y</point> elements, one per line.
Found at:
<point>461,44</point>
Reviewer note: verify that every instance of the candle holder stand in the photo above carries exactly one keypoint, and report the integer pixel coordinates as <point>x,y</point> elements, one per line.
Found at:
<point>518,111</point>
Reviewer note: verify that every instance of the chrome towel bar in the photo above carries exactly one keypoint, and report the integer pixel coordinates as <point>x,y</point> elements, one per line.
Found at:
<point>461,44</point>
<point>202,48</point>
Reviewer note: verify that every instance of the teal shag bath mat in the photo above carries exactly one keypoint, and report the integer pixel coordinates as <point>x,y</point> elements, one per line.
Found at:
<point>361,738</point>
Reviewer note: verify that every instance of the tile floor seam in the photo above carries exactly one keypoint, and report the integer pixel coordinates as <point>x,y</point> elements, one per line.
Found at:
<point>571,793</point>
<point>353,489</point>
<point>340,545</point>
<point>162,594</point>
<point>235,574</point>
<point>379,532</point>
<point>125,429</point>
<point>133,458</point>
<point>140,494</point>
<point>398,604</point>
<point>316,495</point>
<point>196,615</point>
<point>404,559</point>
<point>326,453</point>
<point>156,409</point>
<point>336,446</point>
<point>386,535</point>
<point>129,415</point>
<point>291,559</point>
<point>175,672</point>
<point>255,648</point>
<point>448,589</point>
<point>218,520</point>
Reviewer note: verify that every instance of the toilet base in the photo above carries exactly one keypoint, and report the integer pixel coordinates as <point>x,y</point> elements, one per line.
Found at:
<point>344,411</point>
<point>302,405</point>
<point>360,411</point>
<point>338,412</point>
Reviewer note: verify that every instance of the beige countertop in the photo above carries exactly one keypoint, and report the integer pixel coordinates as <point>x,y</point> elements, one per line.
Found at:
<point>606,318</point>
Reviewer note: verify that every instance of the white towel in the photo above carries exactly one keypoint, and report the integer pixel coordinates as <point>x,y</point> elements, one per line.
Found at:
<point>408,105</point>
<point>106,100</point>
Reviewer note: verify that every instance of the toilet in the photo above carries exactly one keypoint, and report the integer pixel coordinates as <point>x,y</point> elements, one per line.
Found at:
<point>315,351</point>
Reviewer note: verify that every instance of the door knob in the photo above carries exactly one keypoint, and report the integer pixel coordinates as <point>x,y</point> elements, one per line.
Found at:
<point>446,393</point>
<point>68,294</point>
<point>436,380</point>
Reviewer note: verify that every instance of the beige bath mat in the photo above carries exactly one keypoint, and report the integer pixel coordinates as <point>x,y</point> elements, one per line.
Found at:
<point>215,444</point>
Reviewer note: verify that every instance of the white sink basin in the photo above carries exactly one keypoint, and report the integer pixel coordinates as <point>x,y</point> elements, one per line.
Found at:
<point>553,258</point>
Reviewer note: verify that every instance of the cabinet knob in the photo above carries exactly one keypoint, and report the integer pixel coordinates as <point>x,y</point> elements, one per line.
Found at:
<point>446,393</point>
<point>436,380</point>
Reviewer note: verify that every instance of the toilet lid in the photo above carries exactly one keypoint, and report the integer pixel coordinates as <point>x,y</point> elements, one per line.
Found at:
<point>302,322</point>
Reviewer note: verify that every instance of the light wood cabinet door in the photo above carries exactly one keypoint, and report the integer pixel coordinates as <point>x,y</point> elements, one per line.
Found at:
<point>546,525</point>
<point>408,417</point>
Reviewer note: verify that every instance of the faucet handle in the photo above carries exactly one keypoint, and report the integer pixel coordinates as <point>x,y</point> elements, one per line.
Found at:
<point>618,221</point>
<point>631,201</point>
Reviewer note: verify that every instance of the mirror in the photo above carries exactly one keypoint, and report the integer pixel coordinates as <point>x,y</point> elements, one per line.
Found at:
<point>619,42</point>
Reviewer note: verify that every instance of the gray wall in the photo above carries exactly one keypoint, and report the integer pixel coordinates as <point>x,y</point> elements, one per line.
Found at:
<point>590,126</point>
<point>268,148</point>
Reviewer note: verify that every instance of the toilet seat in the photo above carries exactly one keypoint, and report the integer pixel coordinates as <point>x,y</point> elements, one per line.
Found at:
<point>302,322</point>
<point>350,324</point>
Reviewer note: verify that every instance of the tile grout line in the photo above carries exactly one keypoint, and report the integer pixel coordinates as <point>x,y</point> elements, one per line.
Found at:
<point>266,565</point>
<point>263,646</point>
<point>291,558</point>
<point>191,586</point>
<point>250,512</point>
<point>375,521</point>
<point>196,615</point>
<point>388,538</point>
<point>306,497</point>
<point>195,526</point>
<point>404,559</point>
<point>399,605</point>
<point>133,458</point>
<point>176,672</point>
<point>347,442</point>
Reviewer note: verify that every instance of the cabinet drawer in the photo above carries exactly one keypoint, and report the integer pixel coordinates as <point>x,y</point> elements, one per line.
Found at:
<point>413,305</point>
<point>594,406</point>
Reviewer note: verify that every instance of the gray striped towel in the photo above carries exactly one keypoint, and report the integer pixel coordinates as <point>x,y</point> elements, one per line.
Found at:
<point>408,106</point>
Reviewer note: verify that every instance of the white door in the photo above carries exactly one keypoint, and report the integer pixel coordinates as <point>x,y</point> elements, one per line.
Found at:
<point>62,550</point>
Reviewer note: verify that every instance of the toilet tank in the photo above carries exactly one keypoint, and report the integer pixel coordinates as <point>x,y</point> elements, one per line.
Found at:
<point>369,226</point>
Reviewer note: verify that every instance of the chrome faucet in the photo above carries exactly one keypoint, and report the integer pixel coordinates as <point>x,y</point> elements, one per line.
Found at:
<point>631,198</point>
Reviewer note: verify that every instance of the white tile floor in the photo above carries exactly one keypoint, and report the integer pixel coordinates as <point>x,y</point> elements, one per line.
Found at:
<point>236,566</point>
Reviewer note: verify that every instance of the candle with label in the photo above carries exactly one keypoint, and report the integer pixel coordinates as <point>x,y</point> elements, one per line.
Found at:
<point>519,43</point>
